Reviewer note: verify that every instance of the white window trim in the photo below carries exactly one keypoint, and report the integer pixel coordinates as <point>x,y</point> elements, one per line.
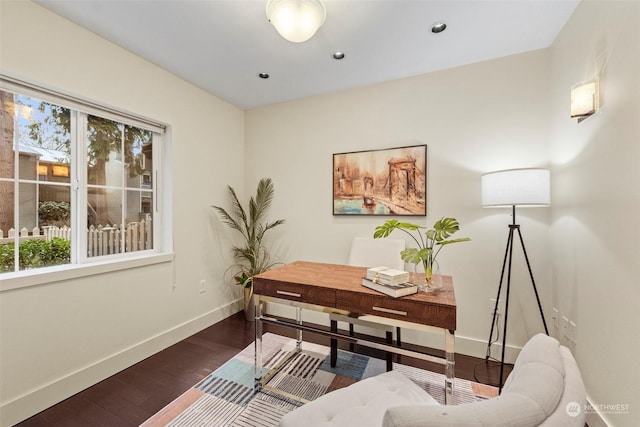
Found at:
<point>83,105</point>
<point>162,232</point>
<point>59,273</point>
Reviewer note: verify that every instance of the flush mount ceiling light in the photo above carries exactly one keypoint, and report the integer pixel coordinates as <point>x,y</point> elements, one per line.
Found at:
<point>296,20</point>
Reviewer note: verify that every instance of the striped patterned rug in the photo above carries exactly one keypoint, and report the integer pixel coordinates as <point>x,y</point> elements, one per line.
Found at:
<point>226,397</point>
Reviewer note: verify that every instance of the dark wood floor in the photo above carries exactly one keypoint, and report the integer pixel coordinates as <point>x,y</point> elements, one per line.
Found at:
<point>135,394</point>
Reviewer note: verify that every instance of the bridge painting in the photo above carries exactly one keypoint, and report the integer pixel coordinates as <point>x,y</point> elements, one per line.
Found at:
<point>380,182</point>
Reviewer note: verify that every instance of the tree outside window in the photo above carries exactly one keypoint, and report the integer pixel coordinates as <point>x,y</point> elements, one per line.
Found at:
<point>112,211</point>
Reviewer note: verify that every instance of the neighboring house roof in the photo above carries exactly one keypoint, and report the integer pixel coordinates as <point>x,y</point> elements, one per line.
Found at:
<point>45,154</point>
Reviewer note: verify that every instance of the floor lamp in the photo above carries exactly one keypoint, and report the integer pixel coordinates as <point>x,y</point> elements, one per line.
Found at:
<point>511,188</point>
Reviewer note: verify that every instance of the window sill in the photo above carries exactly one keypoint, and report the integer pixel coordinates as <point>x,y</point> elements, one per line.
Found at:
<point>47,275</point>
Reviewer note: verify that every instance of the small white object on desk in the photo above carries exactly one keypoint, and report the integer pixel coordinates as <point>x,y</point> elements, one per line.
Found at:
<point>387,276</point>
<point>396,290</point>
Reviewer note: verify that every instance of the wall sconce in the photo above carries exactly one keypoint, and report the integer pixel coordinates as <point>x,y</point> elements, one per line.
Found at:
<point>584,100</point>
<point>296,20</point>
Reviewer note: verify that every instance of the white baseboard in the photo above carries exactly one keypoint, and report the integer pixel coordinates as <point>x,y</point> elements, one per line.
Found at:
<point>478,348</point>
<point>29,404</point>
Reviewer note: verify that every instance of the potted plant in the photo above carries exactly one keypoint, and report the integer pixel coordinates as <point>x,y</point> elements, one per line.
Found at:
<point>251,256</point>
<point>430,242</point>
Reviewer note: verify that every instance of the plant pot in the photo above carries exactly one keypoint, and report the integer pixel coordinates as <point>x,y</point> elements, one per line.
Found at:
<point>249,306</point>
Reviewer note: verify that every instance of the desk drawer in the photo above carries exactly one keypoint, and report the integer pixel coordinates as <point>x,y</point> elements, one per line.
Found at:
<point>295,292</point>
<point>400,308</point>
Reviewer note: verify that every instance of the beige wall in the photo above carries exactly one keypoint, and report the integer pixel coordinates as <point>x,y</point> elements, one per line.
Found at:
<point>59,338</point>
<point>474,119</point>
<point>506,113</point>
<point>595,231</point>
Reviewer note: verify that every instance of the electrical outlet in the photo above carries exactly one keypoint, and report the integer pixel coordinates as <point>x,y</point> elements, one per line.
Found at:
<point>203,286</point>
<point>573,331</point>
<point>565,326</point>
<point>555,316</point>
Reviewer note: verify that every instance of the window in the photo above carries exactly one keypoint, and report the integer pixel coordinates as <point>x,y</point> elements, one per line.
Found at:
<point>77,183</point>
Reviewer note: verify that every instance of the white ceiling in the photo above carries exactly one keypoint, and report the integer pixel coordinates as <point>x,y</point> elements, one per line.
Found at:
<point>221,45</point>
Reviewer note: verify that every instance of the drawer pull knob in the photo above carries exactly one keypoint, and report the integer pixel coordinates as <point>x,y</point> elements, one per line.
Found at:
<point>390,311</point>
<point>289,294</point>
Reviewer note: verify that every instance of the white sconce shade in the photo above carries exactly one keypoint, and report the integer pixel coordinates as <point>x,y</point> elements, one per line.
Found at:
<point>296,20</point>
<point>516,187</point>
<point>584,100</point>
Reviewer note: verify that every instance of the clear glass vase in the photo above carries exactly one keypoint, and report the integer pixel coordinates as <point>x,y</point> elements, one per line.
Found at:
<point>432,277</point>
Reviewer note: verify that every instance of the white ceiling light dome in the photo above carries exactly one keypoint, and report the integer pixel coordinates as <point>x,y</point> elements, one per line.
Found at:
<point>296,20</point>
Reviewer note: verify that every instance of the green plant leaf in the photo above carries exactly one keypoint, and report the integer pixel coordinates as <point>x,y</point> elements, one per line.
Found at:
<point>389,226</point>
<point>415,255</point>
<point>251,256</point>
<point>448,242</point>
<point>425,241</point>
<point>445,227</point>
<point>385,229</point>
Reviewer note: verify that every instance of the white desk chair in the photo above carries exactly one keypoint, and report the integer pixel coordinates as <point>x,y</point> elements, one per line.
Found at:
<point>369,252</point>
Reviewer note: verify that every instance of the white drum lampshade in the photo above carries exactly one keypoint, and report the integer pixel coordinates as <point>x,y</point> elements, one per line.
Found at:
<point>516,187</point>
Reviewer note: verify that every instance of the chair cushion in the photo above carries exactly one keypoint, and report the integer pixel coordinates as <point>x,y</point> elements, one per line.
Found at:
<point>370,252</point>
<point>504,411</point>
<point>539,348</point>
<point>531,394</point>
<point>361,404</point>
<point>574,397</point>
<point>545,380</point>
<point>538,373</point>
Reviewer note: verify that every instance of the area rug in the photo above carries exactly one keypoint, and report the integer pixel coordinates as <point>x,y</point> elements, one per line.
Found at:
<point>226,397</point>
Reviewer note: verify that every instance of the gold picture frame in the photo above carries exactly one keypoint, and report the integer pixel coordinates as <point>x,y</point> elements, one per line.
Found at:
<point>389,181</point>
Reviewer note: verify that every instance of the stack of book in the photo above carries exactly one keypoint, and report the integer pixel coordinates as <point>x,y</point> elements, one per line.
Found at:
<point>389,281</point>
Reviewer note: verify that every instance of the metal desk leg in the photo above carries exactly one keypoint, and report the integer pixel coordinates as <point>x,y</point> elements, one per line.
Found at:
<point>449,369</point>
<point>389,354</point>
<point>258,343</point>
<point>334,344</point>
<point>352,333</point>
<point>299,332</point>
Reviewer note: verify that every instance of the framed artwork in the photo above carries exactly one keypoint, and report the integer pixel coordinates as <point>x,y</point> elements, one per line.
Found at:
<point>381,182</point>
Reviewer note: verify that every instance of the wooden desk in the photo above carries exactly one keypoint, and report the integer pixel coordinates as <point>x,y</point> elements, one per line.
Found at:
<point>337,290</point>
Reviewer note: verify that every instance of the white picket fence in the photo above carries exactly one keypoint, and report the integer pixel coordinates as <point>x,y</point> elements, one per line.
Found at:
<point>101,240</point>
<point>108,239</point>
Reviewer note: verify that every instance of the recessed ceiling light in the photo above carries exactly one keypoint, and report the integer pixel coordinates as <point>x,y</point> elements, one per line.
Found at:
<point>263,75</point>
<point>338,55</point>
<point>438,27</point>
